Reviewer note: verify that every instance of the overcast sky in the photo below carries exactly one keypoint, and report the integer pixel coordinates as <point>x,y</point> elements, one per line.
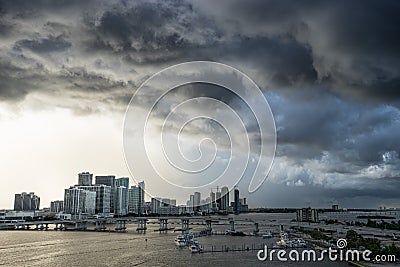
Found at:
<point>330,71</point>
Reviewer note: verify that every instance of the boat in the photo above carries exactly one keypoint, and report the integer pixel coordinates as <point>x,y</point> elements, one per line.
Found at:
<point>195,249</point>
<point>180,241</point>
<point>267,235</point>
<point>285,242</point>
<point>280,244</point>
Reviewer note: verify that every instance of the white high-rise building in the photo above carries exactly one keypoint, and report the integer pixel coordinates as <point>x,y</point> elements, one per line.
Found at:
<point>155,205</point>
<point>190,204</point>
<point>121,195</point>
<point>78,201</point>
<point>124,181</point>
<point>103,198</point>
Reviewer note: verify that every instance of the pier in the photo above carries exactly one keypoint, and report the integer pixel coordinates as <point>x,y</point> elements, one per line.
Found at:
<point>142,225</point>
<point>164,225</point>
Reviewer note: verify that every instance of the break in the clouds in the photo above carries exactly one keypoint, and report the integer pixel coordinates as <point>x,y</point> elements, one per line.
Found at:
<point>329,69</point>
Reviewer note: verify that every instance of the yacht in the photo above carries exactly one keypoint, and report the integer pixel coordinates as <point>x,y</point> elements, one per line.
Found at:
<point>195,249</point>
<point>180,241</point>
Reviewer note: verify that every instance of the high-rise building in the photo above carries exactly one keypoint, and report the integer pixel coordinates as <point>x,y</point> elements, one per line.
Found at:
<point>164,206</point>
<point>133,199</point>
<point>103,196</point>
<point>110,181</point>
<point>307,215</point>
<point>106,180</point>
<point>155,205</point>
<point>141,197</point>
<point>124,181</point>
<point>212,207</point>
<point>78,201</point>
<point>136,199</point>
<point>57,206</point>
<point>236,203</point>
<point>26,202</point>
<point>218,200</point>
<point>85,178</point>
<point>224,199</point>
<point>196,201</point>
<point>243,207</point>
<point>190,204</point>
<point>121,195</point>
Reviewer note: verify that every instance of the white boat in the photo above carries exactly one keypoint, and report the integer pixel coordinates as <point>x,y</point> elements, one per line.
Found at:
<point>267,235</point>
<point>180,241</point>
<point>195,249</point>
<point>285,242</point>
<point>281,244</point>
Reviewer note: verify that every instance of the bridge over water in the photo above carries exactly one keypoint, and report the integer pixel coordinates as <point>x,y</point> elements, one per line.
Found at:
<point>104,224</point>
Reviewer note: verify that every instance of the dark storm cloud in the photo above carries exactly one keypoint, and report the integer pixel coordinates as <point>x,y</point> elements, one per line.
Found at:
<point>359,133</point>
<point>354,44</point>
<point>17,82</point>
<point>376,193</point>
<point>44,45</point>
<point>151,32</point>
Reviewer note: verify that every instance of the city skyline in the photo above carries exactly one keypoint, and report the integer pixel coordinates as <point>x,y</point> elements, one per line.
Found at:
<point>329,70</point>
<point>85,181</point>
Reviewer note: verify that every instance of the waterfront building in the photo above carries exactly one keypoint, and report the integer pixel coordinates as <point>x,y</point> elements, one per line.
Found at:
<point>19,215</point>
<point>147,207</point>
<point>85,178</point>
<point>218,200</point>
<point>57,206</point>
<point>155,205</point>
<point>190,204</point>
<point>123,181</point>
<point>236,204</point>
<point>213,203</point>
<point>335,207</point>
<point>78,201</point>
<point>26,202</point>
<point>110,181</point>
<point>141,197</point>
<point>133,200</point>
<point>243,205</point>
<point>307,215</point>
<point>121,196</point>
<point>182,209</point>
<point>196,201</point>
<point>164,206</point>
<point>224,199</point>
<point>136,203</point>
<point>103,196</point>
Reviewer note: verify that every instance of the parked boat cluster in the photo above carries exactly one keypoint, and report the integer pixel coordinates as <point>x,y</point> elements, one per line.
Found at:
<point>188,240</point>
<point>285,242</point>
